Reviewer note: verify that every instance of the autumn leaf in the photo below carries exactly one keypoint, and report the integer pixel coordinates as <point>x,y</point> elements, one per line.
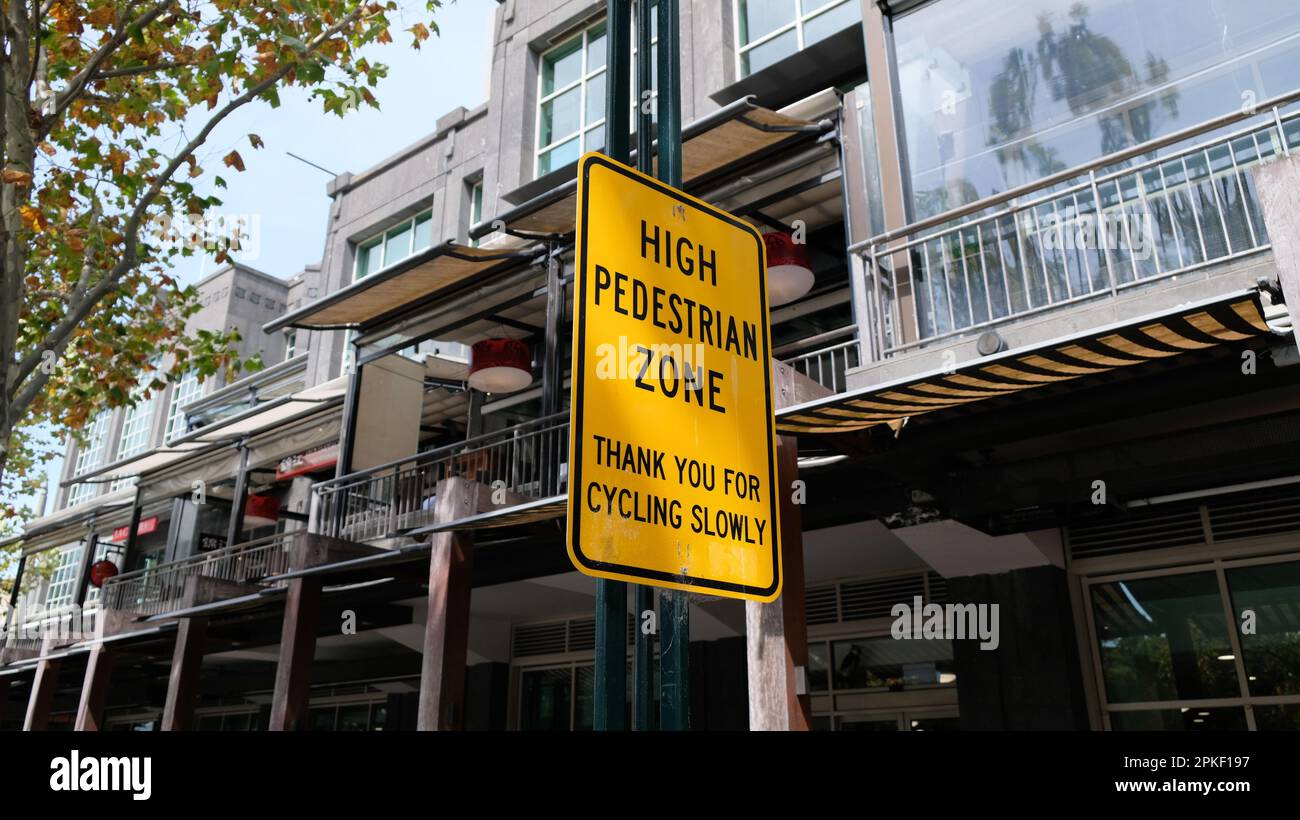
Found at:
<point>13,176</point>
<point>33,218</point>
<point>255,141</point>
<point>234,160</point>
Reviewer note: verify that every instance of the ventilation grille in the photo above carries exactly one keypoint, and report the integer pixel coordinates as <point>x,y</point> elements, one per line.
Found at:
<point>575,635</point>
<point>1229,517</point>
<point>860,600</point>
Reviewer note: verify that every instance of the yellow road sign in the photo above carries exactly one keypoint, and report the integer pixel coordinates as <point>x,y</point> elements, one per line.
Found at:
<point>672,452</point>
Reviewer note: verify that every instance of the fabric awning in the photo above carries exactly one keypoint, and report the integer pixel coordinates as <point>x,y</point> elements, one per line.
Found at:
<point>734,135</point>
<point>527,513</point>
<point>1223,320</point>
<point>379,296</point>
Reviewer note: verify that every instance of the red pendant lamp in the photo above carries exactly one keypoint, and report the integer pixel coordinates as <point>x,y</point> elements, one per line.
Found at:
<point>261,511</point>
<point>500,366</point>
<point>101,571</point>
<point>789,273</point>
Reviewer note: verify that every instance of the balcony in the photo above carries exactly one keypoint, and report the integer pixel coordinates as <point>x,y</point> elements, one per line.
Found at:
<point>1083,237</point>
<point>526,462</point>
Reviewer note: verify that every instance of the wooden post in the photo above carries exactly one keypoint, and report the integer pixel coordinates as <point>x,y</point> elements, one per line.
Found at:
<point>776,634</point>
<point>297,651</point>
<point>94,690</point>
<point>183,683</point>
<point>42,697</point>
<point>446,627</point>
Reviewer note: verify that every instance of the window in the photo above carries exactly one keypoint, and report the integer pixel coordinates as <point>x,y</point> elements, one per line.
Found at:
<point>63,580</point>
<point>137,424</point>
<point>571,111</point>
<point>771,30</point>
<point>1201,648</point>
<point>185,391</point>
<point>290,344</point>
<point>475,207</point>
<point>89,457</point>
<point>349,717</point>
<point>557,698</point>
<point>394,245</point>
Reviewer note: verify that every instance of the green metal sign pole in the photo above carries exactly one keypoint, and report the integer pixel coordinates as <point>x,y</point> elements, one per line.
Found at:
<point>611,596</point>
<point>643,699</point>
<point>674,612</point>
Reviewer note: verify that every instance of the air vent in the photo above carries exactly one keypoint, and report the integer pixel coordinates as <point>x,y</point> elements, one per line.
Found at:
<point>859,600</point>
<point>582,635</point>
<point>539,639</point>
<point>1248,515</point>
<point>1134,531</point>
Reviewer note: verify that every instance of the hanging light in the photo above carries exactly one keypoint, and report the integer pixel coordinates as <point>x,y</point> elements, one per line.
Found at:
<point>261,511</point>
<point>101,571</point>
<point>789,275</point>
<point>500,366</point>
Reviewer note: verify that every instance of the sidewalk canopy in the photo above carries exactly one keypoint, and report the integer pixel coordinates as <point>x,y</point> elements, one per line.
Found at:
<point>404,286</point>
<point>1225,319</point>
<point>735,135</point>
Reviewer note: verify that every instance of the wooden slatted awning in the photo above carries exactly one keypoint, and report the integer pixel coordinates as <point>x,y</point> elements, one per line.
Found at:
<point>732,136</point>
<point>408,284</point>
<point>1223,320</point>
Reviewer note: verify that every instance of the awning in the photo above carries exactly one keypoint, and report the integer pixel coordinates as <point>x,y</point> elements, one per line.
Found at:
<point>407,284</point>
<point>735,135</point>
<point>1222,320</point>
<point>272,414</point>
<point>527,513</point>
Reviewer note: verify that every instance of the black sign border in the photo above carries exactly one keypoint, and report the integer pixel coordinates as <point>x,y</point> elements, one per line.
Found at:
<point>580,360</point>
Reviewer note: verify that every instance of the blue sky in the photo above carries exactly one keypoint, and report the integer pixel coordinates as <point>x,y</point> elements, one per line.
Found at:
<point>286,197</point>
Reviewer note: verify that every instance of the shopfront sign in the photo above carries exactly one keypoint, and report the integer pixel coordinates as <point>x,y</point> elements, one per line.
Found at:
<point>145,527</point>
<point>317,458</point>
<point>672,446</point>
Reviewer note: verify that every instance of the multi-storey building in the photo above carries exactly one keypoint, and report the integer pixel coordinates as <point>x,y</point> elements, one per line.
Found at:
<point>1044,363</point>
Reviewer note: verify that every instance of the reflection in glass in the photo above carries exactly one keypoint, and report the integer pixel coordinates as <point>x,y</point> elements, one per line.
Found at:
<point>1164,639</point>
<point>1279,718</point>
<point>818,667</point>
<point>1268,595</point>
<point>876,663</point>
<point>544,699</point>
<point>1180,720</point>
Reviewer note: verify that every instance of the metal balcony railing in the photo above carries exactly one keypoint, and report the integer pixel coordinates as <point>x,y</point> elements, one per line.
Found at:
<point>1084,233</point>
<point>828,363</point>
<point>528,462</point>
<point>160,588</point>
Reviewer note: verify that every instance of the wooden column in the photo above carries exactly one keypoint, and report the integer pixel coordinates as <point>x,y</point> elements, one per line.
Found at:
<point>42,697</point>
<point>94,690</point>
<point>776,634</point>
<point>297,650</point>
<point>183,683</point>
<point>446,628</point>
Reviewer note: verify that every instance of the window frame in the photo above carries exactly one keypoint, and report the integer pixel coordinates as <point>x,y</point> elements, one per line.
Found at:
<point>90,457</point>
<point>797,25</point>
<point>180,396</point>
<point>380,240</point>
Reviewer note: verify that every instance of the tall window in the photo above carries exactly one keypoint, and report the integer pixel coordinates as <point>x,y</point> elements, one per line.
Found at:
<point>64,578</point>
<point>571,111</point>
<point>394,245</point>
<point>89,457</point>
<point>136,425</point>
<point>185,391</point>
<point>475,207</point>
<point>771,30</point>
<point>290,344</point>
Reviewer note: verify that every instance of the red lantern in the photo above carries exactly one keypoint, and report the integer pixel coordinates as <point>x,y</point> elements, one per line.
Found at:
<point>101,571</point>
<point>789,274</point>
<point>500,366</point>
<point>261,511</point>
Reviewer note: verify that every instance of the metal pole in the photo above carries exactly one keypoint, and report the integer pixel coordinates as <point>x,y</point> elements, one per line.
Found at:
<point>240,499</point>
<point>674,607</point>
<point>643,698</point>
<point>611,596</point>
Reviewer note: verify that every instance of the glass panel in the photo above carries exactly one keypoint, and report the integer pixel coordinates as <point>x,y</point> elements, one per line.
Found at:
<point>818,667</point>
<point>865,724</point>
<point>584,707</point>
<point>762,56</point>
<point>370,258</point>
<point>595,139</point>
<point>595,110</point>
<point>873,663</point>
<point>1164,639</point>
<point>378,717</point>
<point>544,698</point>
<point>558,157</point>
<point>1180,720</point>
<point>934,724</point>
<point>210,723</point>
<point>423,232</point>
<point>993,98</point>
<point>596,48</point>
<point>830,22</point>
<point>760,17</point>
<point>560,116</point>
<point>1264,604</point>
<point>322,720</point>
<point>562,66</point>
<point>397,245</point>
<point>1283,718</point>
<point>354,718</point>
<point>237,723</point>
